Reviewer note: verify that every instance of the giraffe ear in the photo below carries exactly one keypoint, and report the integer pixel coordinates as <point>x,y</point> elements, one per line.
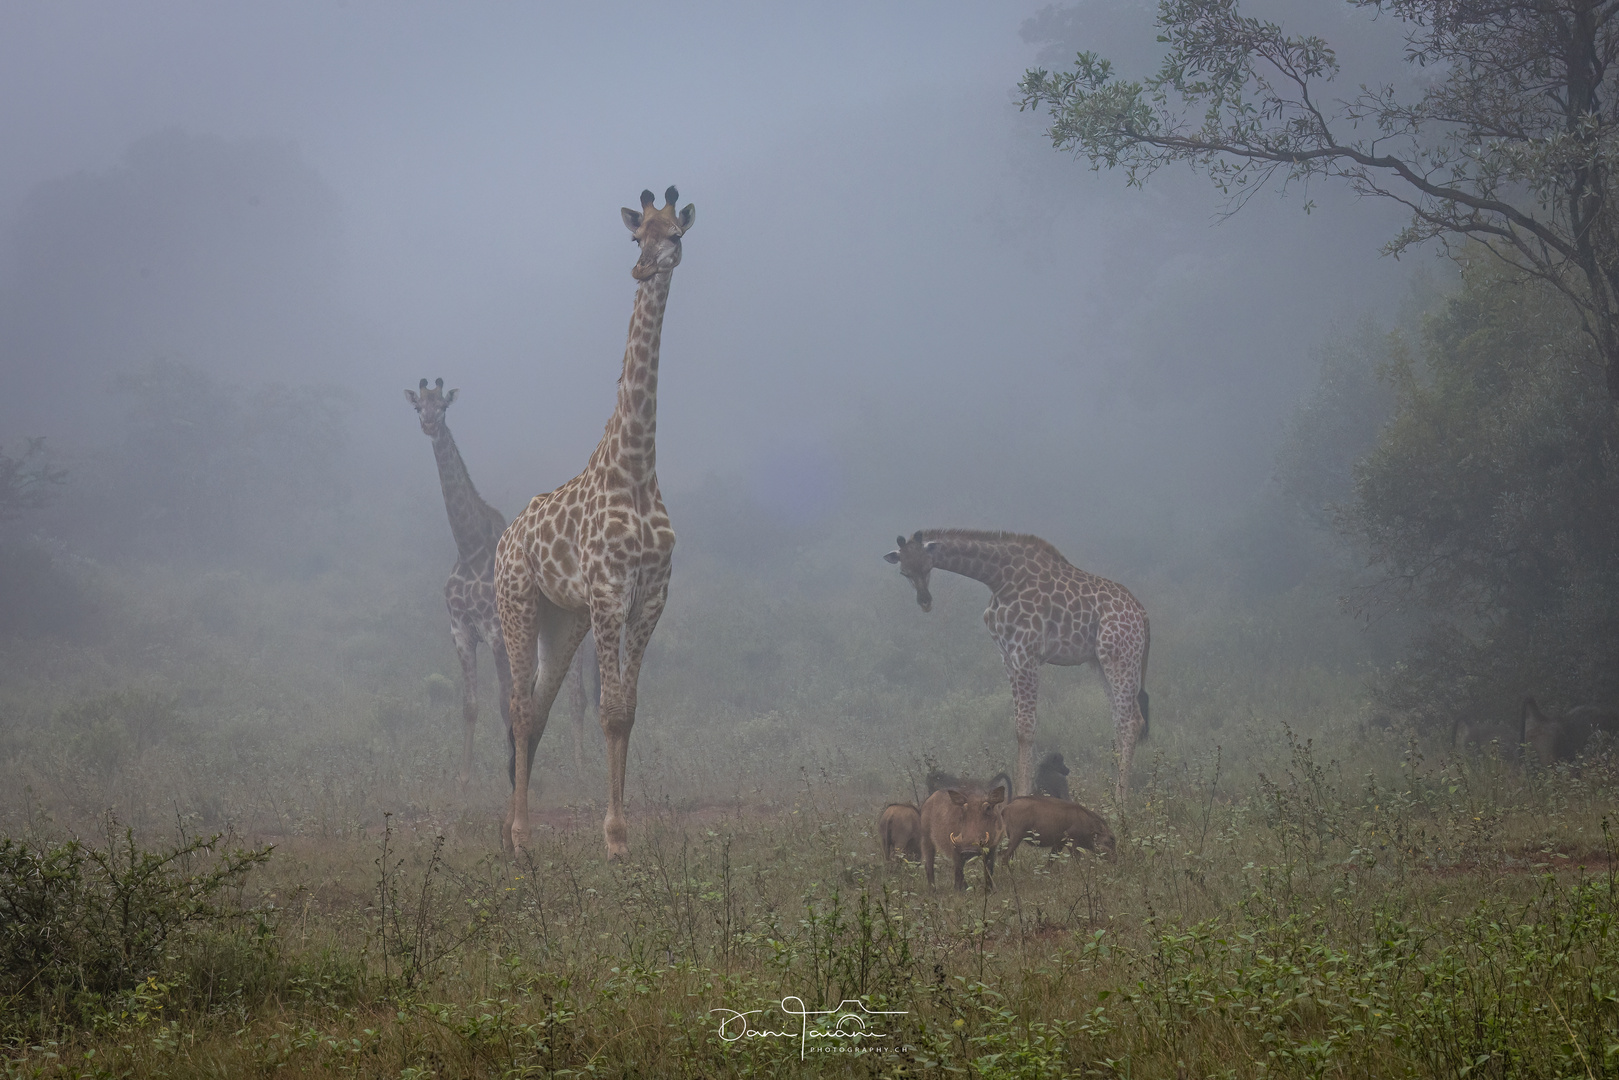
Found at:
<point>688,216</point>
<point>931,546</point>
<point>632,218</point>
<point>410,395</point>
<point>892,556</point>
<point>450,396</point>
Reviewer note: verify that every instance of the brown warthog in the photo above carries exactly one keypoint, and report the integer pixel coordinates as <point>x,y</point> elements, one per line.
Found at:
<point>964,823</point>
<point>1052,823</point>
<point>900,828</point>
<point>1562,738</point>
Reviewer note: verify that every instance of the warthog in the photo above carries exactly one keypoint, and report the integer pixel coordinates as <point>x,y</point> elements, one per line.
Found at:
<point>1562,739</point>
<point>1052,823</point>
<point>938,780</point>
<point>900,828</point>
<point>964,823</point>
<point>1051,777</point>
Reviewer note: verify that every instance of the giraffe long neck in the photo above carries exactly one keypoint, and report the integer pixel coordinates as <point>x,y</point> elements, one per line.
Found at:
<point>983,556</point>
<point>469,514</point>
<point>630,440</point>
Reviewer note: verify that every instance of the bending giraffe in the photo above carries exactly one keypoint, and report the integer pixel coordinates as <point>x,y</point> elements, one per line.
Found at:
<point>469,594</point>
<point>1045,610</point>
<point>593,555</point>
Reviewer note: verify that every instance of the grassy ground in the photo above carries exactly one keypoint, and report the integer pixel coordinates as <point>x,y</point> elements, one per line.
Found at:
<point>1298,891</point>
<point>1394,917</point>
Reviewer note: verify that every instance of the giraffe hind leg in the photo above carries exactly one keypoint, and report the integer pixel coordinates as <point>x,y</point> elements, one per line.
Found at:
<point>557,633</point>
<point>519,624</point>
<point>1121,679</point>
<point>466,649</point>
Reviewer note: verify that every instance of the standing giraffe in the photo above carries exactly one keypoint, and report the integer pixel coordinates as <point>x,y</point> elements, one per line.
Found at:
<point>593,555</point>
<point>470,592</point>
<point>1045,610</point>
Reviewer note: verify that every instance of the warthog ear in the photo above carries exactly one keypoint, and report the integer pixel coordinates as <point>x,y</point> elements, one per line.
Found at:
<point>892,556</point>
<point>997,795</point>
<point>956,797</point>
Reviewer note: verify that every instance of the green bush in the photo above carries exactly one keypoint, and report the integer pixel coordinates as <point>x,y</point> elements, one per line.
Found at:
<point>81,925</point>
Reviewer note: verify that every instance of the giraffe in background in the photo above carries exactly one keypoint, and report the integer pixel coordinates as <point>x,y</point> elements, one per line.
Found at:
<point>594,554</point>
<point>470,592</point>
<point>1045,610</point>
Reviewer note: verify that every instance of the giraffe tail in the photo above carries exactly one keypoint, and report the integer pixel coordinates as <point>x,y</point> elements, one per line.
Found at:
<point>1141,694</point>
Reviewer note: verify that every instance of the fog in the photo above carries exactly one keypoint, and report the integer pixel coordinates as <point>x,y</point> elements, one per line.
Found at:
<point>256,814</point>
<point>895,281</point>
<point>232,237</point>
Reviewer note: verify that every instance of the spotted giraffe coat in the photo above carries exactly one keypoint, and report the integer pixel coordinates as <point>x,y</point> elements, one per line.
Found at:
<point>594,554</point>
<point>1044,610</point>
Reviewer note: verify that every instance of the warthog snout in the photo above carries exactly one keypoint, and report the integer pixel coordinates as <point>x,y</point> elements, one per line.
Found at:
<point>963,823</point>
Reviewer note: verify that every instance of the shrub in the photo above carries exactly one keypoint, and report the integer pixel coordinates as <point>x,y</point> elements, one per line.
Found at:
<point>80,924</point>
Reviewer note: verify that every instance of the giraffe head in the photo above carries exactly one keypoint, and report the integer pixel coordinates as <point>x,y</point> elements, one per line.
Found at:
<point>914,557</point>
<point>430,406</point>
<point>658,232</point>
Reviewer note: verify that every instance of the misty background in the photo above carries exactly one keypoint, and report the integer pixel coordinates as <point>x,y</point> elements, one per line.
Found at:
<point>233,236</point>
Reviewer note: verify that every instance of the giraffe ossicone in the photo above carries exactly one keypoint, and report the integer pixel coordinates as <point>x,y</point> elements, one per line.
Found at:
<point>1044,610</point>
<point>594,554</point>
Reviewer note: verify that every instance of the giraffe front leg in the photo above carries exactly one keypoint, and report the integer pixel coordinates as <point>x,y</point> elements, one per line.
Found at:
<point>466,648</point>
<point>1025,679</point>
<point>619,720</point>
<point>616,720</point>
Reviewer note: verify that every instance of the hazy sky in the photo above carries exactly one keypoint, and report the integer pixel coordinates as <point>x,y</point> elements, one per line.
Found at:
<point>892,274</point>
